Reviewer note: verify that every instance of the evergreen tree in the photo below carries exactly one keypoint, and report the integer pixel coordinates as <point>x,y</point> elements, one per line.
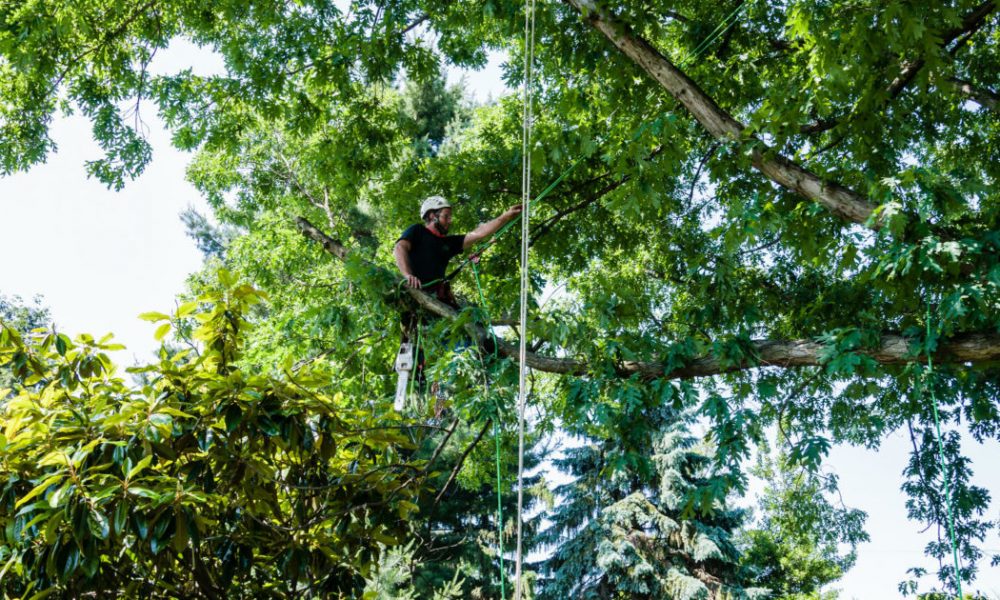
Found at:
<point>210,239</point>
<point>625,527</point>
<point>458,529</point>
<point>431,108</point>
<point>392,578</point>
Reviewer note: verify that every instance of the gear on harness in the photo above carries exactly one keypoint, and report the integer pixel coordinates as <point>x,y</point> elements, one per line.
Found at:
<point>404,368</point>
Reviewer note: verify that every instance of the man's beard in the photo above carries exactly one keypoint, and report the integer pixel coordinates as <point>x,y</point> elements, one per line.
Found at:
<point>442,229</point>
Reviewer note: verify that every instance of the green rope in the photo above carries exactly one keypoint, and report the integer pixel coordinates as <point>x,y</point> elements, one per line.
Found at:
<point>944,469</point>
<point>496,434</point>
<point>720,30</point>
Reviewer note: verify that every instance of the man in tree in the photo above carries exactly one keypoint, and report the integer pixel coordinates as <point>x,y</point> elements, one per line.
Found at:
<point>423,251</point>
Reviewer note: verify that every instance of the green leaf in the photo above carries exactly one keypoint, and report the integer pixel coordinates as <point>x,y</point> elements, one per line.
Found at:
<point>61,344</point>
<point>186,309</point>
<point>161,332</point>
<point>52,527</point>
<point>98,524</point>
<point>40,488</point>
<point>141,525</point>
<point>56,498</point>
<point>45,593</point>
<point>142,464</point>
<point>72,559</point>
<point>120,517</point>
<point>144,492</point>
<point>154,316</point>
<point>174,412</point>
<point>180,533</point>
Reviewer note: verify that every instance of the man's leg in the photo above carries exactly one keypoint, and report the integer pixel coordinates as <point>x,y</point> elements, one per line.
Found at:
<point>411,323</point>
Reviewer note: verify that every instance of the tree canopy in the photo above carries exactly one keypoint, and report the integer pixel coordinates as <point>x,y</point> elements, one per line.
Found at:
<point>781,229</point>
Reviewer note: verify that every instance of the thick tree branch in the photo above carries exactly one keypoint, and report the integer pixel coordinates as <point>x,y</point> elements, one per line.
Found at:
<point>697,172</point>
<point>983,97</point>
<point>893,349</point>
<point>840,200</point>
<point>329,244</point>
<point>970,24</point>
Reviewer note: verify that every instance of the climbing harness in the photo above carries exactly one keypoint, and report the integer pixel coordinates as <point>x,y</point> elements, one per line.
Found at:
<point>929,386</point>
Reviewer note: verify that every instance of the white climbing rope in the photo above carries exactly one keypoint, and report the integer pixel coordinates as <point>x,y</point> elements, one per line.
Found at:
<point>529,60</point>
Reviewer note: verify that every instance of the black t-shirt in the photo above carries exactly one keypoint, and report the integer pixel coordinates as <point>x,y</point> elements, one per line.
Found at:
<point>429,254</point>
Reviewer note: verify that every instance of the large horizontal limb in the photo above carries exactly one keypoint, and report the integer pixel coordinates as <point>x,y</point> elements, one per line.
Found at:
<point>893,349</point>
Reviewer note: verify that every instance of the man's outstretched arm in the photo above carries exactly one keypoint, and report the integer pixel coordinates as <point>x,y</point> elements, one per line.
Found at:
<point>485,230</point>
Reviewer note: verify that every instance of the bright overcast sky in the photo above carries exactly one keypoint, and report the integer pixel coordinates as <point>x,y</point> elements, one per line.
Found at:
<point>99,258</point>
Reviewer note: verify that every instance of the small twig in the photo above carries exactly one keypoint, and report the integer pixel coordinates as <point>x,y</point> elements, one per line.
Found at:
<point>461,460</point>
<point>413,25</point>
<point>440,448</point>
<point>763,246</point>
<point>75,61</point>
<point>697,173</point>
<point>547,224</point>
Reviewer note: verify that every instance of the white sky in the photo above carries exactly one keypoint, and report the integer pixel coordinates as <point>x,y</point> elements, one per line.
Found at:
<point>100,258</point>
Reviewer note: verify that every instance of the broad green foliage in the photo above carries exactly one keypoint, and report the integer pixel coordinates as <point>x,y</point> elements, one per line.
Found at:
<point>664,244</point>
<point>206,481</point>
<point>796,549</point>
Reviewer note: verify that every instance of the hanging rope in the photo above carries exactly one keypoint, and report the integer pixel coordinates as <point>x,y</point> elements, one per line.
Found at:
<point>527,119</point>
<point>529,61</point>
<point>496,438</point>
<point>725,25</point>
<point>496,430</point>
<point>929,385</point>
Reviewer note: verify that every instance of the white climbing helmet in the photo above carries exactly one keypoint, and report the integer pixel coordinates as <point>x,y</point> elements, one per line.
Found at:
<point>433,203</point>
